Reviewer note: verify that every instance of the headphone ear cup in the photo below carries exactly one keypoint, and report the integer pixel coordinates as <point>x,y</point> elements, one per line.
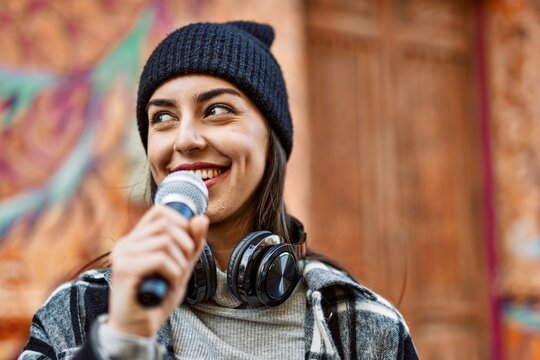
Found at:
<point>241,266</point>
<point>277,275</point>
<point>202,284</point>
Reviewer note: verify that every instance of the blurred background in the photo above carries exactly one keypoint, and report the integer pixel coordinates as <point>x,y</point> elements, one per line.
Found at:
<point>416,162</point>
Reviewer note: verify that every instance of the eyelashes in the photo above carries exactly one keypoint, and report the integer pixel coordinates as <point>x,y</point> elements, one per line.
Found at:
<point>220,109</point>
<point>217,111</point>
<point>161,117</point>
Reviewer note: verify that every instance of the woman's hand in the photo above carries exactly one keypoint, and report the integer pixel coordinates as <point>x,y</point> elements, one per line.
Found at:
<point>164,243</point>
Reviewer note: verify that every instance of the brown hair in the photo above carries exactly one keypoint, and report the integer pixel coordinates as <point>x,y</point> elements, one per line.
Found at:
<point>270,211</point>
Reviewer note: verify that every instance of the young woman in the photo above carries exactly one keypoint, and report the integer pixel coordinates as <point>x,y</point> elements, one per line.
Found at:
<point>212,101</point>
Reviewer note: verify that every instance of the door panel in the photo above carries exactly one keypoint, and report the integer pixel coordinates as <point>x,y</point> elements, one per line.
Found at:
<point>395,161</point>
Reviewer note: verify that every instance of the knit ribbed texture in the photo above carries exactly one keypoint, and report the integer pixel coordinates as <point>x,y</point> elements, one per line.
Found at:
<point>238,52</point>
<point>213,330</point>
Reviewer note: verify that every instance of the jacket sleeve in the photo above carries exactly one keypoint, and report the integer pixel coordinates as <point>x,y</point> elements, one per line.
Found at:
<point>88,350</point>
<point>407,350</point>
<point>59,330</point>
<point>38,344</point>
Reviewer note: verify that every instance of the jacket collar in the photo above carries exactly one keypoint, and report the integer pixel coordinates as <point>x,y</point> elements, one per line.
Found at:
<point>97,275</point>
<point>320,275</point>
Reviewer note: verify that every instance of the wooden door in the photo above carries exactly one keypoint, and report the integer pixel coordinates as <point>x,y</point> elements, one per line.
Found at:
<point>396,172</point>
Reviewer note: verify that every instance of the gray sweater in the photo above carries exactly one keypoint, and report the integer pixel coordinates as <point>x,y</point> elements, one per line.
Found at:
<point>222,328</point>
<point>343,320</point>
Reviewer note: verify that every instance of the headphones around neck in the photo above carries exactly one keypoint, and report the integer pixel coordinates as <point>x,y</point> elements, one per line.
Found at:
<point>263,269</point>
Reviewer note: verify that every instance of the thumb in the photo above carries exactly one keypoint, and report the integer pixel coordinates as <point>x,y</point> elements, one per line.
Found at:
<point>198,228</point>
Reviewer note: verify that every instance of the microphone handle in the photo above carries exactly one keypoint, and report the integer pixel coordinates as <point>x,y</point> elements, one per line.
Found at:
<point>153,289</point>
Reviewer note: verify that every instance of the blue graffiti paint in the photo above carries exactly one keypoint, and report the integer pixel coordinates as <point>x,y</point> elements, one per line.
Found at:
<point>121,63</point>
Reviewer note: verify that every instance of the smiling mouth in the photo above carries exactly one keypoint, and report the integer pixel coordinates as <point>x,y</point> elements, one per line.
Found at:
<point>207,174</point>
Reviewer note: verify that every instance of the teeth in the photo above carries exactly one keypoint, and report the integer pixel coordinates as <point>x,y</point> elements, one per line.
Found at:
<point>206,174</point>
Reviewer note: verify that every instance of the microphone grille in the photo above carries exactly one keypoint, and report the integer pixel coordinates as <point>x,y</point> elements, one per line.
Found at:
<point>186,184</point>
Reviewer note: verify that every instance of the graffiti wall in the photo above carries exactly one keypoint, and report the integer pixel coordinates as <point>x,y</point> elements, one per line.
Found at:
<point>72,172</point>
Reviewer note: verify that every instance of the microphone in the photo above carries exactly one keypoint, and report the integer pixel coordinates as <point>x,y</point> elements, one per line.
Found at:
<point>186,193</point>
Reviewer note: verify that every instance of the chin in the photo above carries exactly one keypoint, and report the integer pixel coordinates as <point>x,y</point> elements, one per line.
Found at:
<point>214,215</point>
<point>212,218</point>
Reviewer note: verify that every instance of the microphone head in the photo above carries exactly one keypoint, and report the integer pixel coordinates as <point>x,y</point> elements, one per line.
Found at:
<point>184,187</point>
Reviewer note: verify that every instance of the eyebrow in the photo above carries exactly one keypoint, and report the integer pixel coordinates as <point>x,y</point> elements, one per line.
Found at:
<point>168,103</point>
<point>207,95</point>
<point>200,98</point>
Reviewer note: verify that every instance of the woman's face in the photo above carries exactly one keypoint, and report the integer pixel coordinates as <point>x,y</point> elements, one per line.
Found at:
<point>206,125</point>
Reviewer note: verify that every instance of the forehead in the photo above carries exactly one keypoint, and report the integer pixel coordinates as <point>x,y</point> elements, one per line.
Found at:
<point>188,85</point>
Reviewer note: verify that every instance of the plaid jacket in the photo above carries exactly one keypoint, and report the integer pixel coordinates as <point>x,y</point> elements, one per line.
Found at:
<point>344,320</point>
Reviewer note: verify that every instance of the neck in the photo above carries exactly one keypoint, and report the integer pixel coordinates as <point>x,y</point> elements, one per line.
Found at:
<point>223,237</point>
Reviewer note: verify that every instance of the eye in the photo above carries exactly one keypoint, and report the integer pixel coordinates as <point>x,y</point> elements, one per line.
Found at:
<point>160,118</point>
<point>217,110</point>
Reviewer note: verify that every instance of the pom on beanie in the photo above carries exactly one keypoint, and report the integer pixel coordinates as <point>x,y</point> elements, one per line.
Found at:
<point>238,52</point>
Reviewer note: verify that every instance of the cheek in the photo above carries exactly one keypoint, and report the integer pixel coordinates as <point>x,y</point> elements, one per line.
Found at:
<point>256,141</point>
<point>251,153</point>
<point>259,159</point>
<point>158,156</point>
<point>248,155</point>
<point>256,156</point>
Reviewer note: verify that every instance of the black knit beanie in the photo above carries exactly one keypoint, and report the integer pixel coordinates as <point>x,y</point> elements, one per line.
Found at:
<point>238,52</point>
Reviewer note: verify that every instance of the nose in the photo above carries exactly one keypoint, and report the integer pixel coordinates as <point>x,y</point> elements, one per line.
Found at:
<point>189,136</point>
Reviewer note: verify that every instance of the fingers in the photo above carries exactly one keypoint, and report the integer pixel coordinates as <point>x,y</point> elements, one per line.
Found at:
<point>164,232</point>
<point>160,211</point>
<point>164,220</point>
<point>182,240</point>
<point>164,243</point>
<point>161,264</point>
